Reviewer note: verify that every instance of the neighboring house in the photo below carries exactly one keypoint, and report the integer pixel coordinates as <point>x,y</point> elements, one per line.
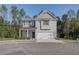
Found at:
<point>41,27</point>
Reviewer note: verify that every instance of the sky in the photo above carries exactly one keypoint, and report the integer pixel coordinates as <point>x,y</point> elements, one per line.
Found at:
<point>34,9</point>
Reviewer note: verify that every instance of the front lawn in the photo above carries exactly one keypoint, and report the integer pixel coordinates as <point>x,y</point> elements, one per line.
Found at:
<point>1,39</point>
<point>67,40</point>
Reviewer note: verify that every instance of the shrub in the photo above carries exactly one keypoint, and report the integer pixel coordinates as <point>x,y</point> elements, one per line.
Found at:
<point>28,38</point>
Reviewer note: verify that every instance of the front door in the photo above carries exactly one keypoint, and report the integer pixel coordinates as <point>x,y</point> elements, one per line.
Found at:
<point>33,34</point>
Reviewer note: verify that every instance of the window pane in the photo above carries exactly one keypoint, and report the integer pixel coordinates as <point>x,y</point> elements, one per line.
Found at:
<point>45,22</point>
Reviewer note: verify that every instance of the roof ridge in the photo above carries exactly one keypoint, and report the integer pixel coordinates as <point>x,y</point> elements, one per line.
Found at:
<point>46,10</point>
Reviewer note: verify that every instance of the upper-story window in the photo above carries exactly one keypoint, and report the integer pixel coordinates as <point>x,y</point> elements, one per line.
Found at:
<point>46,22</point>
<point>24,23</point>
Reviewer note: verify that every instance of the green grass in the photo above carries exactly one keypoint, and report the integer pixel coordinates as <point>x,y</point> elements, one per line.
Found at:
<point>1,39</point>
<point>62,39</point>
<point>66,40</point>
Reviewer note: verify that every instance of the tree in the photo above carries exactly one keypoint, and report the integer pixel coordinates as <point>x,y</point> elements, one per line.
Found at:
<point>4,12</point>
<point>21,15</point>
<point>22,12</point>
<point>59,27</point>
<point>71,15</point>
<point>64,17</point>
<point>14,13</point>
<point>65,25</point>
<point>1,26</point>
<point>76,29</point>
<point>77,14</point>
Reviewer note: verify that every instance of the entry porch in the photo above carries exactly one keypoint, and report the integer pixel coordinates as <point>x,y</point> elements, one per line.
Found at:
<point>27,33</point>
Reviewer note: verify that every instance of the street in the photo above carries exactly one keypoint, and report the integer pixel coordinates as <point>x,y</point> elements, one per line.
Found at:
<point>34,48</point>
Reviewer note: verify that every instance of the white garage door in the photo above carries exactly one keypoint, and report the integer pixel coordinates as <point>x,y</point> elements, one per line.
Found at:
<point>45,36</point>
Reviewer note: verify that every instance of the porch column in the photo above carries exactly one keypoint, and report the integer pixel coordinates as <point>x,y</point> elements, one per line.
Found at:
<point>19,33</point>
<point>30,34</point>
<point>27,33</point>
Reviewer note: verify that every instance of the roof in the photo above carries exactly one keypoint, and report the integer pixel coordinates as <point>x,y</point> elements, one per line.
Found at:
<point>26,18</point>
<point>46,11</point>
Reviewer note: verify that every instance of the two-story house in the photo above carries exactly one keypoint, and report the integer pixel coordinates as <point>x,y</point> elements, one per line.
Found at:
<point>42,27</point>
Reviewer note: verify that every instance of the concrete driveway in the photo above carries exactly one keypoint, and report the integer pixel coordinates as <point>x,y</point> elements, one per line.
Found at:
<point>33,48</point>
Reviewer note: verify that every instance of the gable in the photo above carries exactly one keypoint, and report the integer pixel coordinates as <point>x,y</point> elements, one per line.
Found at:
<point>45,15</point>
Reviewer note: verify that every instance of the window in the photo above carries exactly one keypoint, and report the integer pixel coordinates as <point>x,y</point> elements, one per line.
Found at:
<point>46,22</point>
<point>24,23</point>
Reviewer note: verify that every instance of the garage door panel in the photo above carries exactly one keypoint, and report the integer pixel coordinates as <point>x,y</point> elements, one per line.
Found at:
<point>45,36</point>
